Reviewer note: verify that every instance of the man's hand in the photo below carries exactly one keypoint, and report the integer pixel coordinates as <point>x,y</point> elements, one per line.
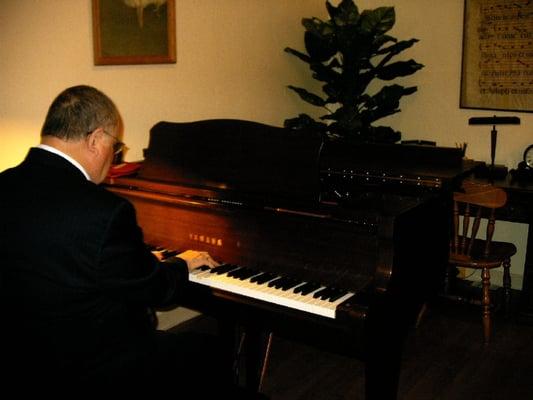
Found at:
<point>196,259</point>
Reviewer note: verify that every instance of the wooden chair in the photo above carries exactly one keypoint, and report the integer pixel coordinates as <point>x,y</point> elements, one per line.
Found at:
<point>466,250</point>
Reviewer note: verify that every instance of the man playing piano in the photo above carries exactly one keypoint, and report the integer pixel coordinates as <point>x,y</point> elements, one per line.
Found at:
<point>76,279</point>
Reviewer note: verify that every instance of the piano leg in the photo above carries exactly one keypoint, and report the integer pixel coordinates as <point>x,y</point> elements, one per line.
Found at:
<point>382,373</point>
<point>257,352</point>
<point>385,340</point>
<point>230,349</point>
<point>266,359</point>
<point>247,350</point>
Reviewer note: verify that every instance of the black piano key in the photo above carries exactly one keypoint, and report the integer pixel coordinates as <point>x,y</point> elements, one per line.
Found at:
<point>333,294</point>
<point>300,288</point>
<point>290,283</point>
<point>274,282</point>
<point>258,277</point>
<point>307,288</point>
<point>278,283</point>
<point>246,273</point>
<point>333,291</point>
<point>222,269</point>
<point>282,282</point>
<point>330,291</point>
<point>337,295</point>
<point>297,286</point>
<point>321,293</point>
<point>202,268</point>
<point>235,272</point>
<point>327,295</point>
<point>263,278</point>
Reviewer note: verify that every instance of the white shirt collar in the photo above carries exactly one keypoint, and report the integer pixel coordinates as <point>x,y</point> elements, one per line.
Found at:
<point>66,157</point>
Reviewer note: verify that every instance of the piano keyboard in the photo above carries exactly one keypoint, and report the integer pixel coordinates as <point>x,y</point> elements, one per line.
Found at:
<point>272,288</point>
<point>281,290</point>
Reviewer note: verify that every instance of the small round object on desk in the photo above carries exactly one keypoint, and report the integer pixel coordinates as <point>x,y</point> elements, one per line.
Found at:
<point>528,156</point>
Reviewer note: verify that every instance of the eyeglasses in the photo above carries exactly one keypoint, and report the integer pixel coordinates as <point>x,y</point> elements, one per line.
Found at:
<point>118,146</point>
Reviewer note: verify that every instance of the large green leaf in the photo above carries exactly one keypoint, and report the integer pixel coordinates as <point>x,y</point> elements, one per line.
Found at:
<point>380,40</point>
<point>378,21</point>
<point>389,96</point>
<point>397,69</point>
<point>346,119</point>
<point>300,55</point>
<point>325,73</point>
<point>319,47</point>
<point>345,14</point>
<point>397,47</point>
<point>384,134</point>
<point>370,116</point>
<point>317,26</point>
<point>308,96</point>
<point>333,91</point>
<point>304,121</point>
<point>385,102</point>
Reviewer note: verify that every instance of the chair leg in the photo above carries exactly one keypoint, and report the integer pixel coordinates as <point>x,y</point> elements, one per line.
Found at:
<point>507,286</point>
<point>485,279</point>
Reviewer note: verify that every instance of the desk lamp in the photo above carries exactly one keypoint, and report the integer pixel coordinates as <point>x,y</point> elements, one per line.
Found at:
<point>501,171</point>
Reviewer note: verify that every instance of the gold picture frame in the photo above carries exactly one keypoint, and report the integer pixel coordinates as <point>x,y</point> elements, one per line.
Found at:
<point>127,33</point>
<point>497,59</point>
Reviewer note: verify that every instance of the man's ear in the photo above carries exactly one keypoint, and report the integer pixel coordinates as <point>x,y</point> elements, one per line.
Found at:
<point>93,141</point>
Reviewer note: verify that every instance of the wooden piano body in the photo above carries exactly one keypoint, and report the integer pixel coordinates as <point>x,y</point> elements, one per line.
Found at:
<point>280,201</point>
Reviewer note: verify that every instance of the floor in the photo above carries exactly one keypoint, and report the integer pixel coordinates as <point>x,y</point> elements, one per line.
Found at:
<point>444,359</point>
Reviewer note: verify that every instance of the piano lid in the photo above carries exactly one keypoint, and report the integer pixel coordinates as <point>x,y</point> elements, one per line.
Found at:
<point>251,158</point>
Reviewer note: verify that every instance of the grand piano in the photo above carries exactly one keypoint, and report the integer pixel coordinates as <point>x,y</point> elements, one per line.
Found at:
<point>329,244</point>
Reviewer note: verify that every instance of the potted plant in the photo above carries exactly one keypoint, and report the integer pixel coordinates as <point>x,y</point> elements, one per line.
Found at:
<point>347,53</point>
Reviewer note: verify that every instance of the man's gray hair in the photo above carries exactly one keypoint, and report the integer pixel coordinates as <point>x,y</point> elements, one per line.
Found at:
<point>77,111</point>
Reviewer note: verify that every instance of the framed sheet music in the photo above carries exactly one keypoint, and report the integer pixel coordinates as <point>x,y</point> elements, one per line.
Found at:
<point>497,65</point>
<point>134,32</point>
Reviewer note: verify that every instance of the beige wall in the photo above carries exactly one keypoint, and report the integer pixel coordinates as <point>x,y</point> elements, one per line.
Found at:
<point>230,64</point>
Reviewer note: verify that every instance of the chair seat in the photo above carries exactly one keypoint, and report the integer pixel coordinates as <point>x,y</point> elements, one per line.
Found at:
<point>499,251</point>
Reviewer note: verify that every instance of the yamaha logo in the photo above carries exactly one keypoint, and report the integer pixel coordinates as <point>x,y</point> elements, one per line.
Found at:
<point>205,239</point>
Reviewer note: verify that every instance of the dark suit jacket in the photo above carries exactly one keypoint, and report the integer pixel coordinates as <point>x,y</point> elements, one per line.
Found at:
<point>76,278</point>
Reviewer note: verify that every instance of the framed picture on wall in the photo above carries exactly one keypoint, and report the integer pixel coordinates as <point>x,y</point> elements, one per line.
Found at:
<point>497,66</point>
<point>134,31</point>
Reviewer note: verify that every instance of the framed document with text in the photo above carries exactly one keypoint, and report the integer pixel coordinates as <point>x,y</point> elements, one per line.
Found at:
<point>497,65</point>
<point>134,31</point>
